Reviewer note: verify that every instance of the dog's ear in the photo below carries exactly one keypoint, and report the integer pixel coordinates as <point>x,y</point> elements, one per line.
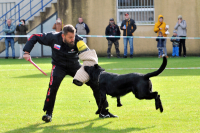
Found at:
<point>96,66</point>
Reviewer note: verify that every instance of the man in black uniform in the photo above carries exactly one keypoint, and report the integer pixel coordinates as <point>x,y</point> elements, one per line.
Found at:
<point>66,46</point>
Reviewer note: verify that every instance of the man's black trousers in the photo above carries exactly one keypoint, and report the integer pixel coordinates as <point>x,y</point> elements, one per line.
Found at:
<point>182,44</point>
<point>57,75</point>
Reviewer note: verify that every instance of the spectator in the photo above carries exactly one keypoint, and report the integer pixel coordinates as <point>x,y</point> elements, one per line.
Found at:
<point>128,26</point>
<point>160,44</point>
<point>58,25</point>
<point>181,32</point>
<point>175,44</point>
<point>9,29</point>
<point>113,30</point>
<point>161,26</point>
<point>82,28</point>
<point>21,29</point>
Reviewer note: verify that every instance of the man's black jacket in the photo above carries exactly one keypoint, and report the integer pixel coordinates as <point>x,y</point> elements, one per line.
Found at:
<point>112,31</point>
<point>62,54</point>
<point>130,27</point>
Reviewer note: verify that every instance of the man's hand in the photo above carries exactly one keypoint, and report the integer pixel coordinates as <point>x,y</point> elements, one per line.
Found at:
<point>26,56</point>
<point>179,21</point>
<point>123,28</point>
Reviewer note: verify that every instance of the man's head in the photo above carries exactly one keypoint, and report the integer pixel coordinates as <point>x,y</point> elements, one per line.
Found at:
<point>126,16</point>
<point>8,22</point>
<point>174,33</point>
<point>111,22</point>
<point>161,19</point>
<point>80,19</point>
<point>180,17</point>
<point>58,20</point>
<point>68,35</point>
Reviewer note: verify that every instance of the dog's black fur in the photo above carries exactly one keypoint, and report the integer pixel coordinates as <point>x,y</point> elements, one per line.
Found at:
<point>119,85</point>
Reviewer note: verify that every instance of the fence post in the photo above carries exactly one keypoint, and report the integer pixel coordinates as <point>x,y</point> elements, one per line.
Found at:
<point>30,8</point>
<point>19,11</point>
<point>42,4</point>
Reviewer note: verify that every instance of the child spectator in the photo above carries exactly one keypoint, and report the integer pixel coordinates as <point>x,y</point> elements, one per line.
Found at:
<point>175,44</point>
<point>160,44</point>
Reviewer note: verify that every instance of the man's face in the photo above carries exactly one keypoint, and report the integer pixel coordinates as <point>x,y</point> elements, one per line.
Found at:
<point>127,17</point>
<point>111,22</point>
<point>80,20</point>
<point>8,21</point>
<point>69,39</point>
<point>180,19</point>
<point>161,20</point>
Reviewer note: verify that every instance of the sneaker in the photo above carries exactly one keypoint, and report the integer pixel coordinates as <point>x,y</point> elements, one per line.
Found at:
<point>118,56</point>
<point>107,114</point>
<point>13,57</point>
<point>131,56</point>
<point>124,56</point>
<point>47,118</point>
<point>108,56</point>
<point>20,58</point>
<point>184,55</point>
<point>6,57</point>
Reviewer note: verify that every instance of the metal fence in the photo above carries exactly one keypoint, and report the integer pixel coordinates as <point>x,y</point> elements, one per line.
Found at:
<point>24,9</point>
<point>142,11</point>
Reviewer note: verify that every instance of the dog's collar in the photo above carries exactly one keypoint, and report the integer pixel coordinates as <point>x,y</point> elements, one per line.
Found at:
<point>100,75</point>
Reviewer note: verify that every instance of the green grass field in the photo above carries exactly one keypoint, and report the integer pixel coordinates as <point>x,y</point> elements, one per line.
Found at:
<point>23,89</point>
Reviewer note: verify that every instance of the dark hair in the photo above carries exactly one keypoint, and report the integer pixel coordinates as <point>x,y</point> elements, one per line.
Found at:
<point>23,20</point>
<point>68,28</point>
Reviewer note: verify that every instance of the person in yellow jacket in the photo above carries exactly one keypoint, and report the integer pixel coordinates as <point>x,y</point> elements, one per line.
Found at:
<point>161,26</point>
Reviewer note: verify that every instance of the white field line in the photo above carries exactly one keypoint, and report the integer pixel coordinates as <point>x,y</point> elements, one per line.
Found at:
<point>185,68</point>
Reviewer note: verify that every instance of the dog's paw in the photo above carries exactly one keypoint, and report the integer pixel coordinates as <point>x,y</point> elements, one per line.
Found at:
<point>161,108</point>
<point>98,111</point>
<point>157,102</point>
<point>119,105</point>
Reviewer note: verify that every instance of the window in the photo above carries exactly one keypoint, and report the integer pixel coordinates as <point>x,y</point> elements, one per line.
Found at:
<point>142,11</point>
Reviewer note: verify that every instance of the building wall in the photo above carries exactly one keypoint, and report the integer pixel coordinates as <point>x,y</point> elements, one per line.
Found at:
<point>97,13</point>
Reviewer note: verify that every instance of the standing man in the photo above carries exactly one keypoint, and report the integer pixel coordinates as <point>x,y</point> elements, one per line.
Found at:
<point>58,25</point>
<point>82,28</point>
<point>161,26</point>
<point>9,29</point>
<point>182,32</point>
<point>113,30</point>
<point>129,27</point>
<point>65,47</point>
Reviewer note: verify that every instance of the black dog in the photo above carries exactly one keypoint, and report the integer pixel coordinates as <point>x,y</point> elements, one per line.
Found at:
<point>118,85</point>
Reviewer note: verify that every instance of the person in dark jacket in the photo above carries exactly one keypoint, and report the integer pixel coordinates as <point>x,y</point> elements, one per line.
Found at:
<point>175,44</point>
<point>129,27</point>
<point>66,46</point>
<point>21,29</point>
<point>113,30</point>
<point>160,44</point>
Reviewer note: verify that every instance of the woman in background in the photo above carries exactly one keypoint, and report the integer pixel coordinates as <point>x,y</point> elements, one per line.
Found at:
<point>21,29</point>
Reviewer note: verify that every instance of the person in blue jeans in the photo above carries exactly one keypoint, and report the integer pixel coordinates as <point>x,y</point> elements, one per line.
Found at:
<point>160,44</point>
<point>9,29</point>
<point>129,27</point>
<point>175,44</point>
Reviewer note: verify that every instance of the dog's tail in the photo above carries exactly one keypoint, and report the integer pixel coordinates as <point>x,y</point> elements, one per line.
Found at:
<point>162,67</point>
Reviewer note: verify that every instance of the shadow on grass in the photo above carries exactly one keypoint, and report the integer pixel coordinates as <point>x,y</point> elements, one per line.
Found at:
<point>88,128</point>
